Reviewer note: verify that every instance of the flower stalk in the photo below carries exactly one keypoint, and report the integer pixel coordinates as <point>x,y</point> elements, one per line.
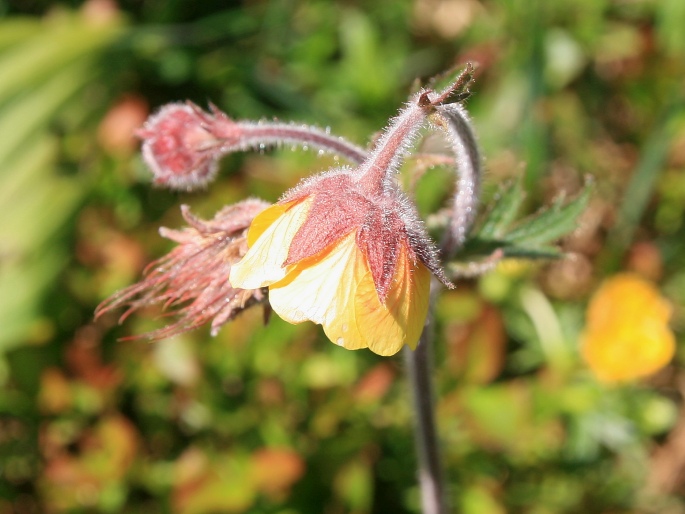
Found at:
<point>419,365</point>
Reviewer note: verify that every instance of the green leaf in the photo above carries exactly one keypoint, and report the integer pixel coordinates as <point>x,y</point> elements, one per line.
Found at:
<point>550,225</point>
<point>532,252</point>
<point>49,51</point>
<point>505,207</point>
<point>16,30</point>
<point>32,112</point>
<point>22,283</point>
<point>531,239</point>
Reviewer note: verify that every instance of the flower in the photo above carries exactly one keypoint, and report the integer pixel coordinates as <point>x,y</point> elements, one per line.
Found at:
<point>347,250</point>
<point>194,275</point>
<point>351,269</point>
<point>627,334</point>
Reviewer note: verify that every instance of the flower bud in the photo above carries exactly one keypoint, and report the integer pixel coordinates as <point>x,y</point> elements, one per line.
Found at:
<point>182,145</point>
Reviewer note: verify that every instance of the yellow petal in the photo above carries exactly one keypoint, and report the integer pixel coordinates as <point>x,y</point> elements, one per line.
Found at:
<point>400,321</point>
<point>269,240</point>
<point>336,289</point>
<point>318,288</point>
<point>264,220</point>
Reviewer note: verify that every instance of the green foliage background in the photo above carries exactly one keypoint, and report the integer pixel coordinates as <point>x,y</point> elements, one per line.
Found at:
<point>274,418</point>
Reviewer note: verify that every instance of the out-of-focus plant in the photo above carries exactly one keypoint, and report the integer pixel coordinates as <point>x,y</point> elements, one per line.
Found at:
<point>48,66</point>
<point>626,333</point>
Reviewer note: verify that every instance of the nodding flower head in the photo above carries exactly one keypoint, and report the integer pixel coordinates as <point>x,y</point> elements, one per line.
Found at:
<point>346,249</point>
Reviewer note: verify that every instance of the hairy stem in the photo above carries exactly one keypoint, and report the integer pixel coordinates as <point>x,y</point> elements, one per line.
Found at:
<point>420,362</point>
<point>387,155</point>
<point>465,204</point>
<point>419,365</point>
<point>271,133</point>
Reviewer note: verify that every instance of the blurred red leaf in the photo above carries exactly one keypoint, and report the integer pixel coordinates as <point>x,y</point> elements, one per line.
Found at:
<point>275,470</point>
<point>116,132</point>
<point>104,455</point>
<point>476,348</point>
<point>84,359</point>
<point>375,383</point>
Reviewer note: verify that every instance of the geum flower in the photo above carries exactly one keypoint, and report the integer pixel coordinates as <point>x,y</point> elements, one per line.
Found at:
<point>347,249</point>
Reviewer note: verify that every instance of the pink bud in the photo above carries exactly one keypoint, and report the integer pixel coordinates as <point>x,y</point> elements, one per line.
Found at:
<point>182,144</point>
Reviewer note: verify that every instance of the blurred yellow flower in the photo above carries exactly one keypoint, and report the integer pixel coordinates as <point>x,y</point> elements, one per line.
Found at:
<point>627,334</point>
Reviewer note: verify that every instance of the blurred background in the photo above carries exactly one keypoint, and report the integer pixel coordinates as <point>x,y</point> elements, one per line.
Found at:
<point>274,418</point>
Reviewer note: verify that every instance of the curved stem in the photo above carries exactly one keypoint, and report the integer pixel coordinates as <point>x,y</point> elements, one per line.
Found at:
<point>420,362</point>
<point>390,149</point>
<point>258,135</point>
<point>465,147</point>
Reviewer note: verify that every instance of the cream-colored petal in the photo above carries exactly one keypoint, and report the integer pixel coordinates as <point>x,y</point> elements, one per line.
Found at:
<point>262,265</point>
<point>311,289</point>
<point>337,291</point>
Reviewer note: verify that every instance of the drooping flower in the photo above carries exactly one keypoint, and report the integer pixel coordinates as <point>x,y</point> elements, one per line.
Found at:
<point>193,278</point>
<point>347,250</point>
<point>627,334</point>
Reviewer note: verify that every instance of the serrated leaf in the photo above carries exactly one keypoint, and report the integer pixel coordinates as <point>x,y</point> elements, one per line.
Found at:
<point>542,252</point>
<point>550,225</point>
<point>477,248</point>
<point>483,254</point>
<point>503,212</point>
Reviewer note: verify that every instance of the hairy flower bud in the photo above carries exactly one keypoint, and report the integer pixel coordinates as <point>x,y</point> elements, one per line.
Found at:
<point>182,145</point>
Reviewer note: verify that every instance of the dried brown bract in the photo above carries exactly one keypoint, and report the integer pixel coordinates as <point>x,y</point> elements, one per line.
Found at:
<point>191,282</point>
